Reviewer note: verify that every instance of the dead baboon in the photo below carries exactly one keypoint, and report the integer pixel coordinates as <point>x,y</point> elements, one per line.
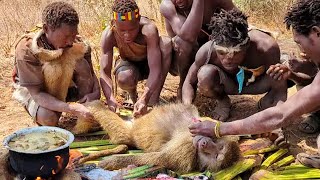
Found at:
<point>164,136</point>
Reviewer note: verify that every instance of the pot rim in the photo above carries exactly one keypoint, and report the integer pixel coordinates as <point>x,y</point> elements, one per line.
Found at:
<point>39,129</point>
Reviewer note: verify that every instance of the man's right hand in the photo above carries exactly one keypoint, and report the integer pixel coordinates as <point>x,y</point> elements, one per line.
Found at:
<point>279,72</point>
<point>80,111</point>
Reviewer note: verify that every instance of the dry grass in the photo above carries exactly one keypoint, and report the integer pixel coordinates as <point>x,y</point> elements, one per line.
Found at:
<point>20,15</point>
<point>267,13</point>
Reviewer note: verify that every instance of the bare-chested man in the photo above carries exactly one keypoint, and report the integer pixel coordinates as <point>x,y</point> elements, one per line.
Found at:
<point>186,23</point>
<point>144,55</point>
<point>234,62</point>
<point>53,66</point>
<point>303,19</point>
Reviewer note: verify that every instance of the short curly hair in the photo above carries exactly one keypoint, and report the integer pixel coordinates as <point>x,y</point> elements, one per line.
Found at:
<point>303,15</point>
<point>229,28</point>
<point>58,13</point>
<point>124,6</point>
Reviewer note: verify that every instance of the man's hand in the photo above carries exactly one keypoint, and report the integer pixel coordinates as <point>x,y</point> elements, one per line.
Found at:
<point>279,72</point>
<point>204,128</point>
<point>80,111</point>
<point>140,108</point>
<point>179,45</point>
<point>113,104</point>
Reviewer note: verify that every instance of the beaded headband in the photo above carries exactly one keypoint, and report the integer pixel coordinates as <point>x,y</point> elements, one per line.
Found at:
<point>128,16</point>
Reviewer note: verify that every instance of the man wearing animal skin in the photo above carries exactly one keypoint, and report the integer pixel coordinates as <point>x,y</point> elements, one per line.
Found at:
<point>144,55</point>
<point>306,34</point>
<point>234,62</point>
<point>55,59</point>
<point>186,23</point>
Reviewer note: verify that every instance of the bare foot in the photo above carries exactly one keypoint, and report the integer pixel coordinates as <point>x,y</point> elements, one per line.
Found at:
<point>222,110</point>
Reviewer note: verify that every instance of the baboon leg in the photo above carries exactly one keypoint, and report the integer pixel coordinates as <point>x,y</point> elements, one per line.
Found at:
<point>116,127</point>
<point>119,162</point>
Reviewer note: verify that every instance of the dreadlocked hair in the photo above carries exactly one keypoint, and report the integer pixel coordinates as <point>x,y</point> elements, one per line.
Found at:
<point>124,6</point>
<point>229,28</point>
<point>60,12</point>
<point>303,15</point>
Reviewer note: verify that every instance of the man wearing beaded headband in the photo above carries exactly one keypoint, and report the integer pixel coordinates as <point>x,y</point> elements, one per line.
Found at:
<point>144,55</point>
<point>186,23</point>
<point>234,62</point>
<point>303,19</point>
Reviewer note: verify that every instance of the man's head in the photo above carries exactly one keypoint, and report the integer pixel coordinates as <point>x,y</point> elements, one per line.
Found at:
<point>126,19</point>
<point>182,4</point>
<point>230,36</point>
<point>60,24</point>
<point>304,20</point>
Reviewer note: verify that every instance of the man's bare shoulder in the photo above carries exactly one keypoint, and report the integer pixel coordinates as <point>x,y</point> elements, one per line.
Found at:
<point>149,29</point>
<point>263,41</point>
<point>167,8</point>
<point>107,39</point>
<point>203,51</point>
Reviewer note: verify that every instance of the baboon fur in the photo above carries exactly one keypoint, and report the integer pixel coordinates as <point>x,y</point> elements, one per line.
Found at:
<point>58,66</point>
<point>164,137</point>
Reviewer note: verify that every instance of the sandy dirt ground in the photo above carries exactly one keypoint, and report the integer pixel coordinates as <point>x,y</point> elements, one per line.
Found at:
<point>13,116</point>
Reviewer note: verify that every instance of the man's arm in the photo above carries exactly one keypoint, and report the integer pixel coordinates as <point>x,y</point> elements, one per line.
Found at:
<point>49,102</point>
<point>304,101</point>
<point>154,60</point>
<point>190,83</point>
<point>95,93</point>
<point>107,44</point>
<point>189,29</point>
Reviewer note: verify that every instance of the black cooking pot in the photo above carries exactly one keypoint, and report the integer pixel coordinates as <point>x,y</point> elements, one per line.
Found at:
<point>43,164</point>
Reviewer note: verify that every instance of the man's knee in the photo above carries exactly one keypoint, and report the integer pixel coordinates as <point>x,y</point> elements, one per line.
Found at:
<point>208,73</point>
<point>208,79</point>
<point>127,79</point>
<point>47,117</point>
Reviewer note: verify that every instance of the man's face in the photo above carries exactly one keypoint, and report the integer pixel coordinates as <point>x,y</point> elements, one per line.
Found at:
<point>182,4</point>
<point>231,60</point>
<point>128,30</point>
<point>61,37</point>
<point>310,44</point>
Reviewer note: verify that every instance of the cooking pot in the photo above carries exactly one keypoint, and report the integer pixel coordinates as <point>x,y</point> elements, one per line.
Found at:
<point>42,164</point>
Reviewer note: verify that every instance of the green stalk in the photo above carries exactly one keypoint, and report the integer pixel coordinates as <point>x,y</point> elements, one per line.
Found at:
<point>273,158</point>
<point>294,173</point>
<point>285,161</point>
<point>98,133</point>
<point>141,168</point>
<point>89,144</point>
<point>260,151</point>
<point>234,170</point>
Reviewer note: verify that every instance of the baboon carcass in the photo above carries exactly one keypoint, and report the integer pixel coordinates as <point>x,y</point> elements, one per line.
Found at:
<point>164,136</point>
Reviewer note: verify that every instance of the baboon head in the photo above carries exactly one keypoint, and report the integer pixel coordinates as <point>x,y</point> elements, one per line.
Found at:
<point>215,154</point>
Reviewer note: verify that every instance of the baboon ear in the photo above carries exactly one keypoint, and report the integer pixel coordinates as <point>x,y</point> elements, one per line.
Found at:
<point>45,28</point>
